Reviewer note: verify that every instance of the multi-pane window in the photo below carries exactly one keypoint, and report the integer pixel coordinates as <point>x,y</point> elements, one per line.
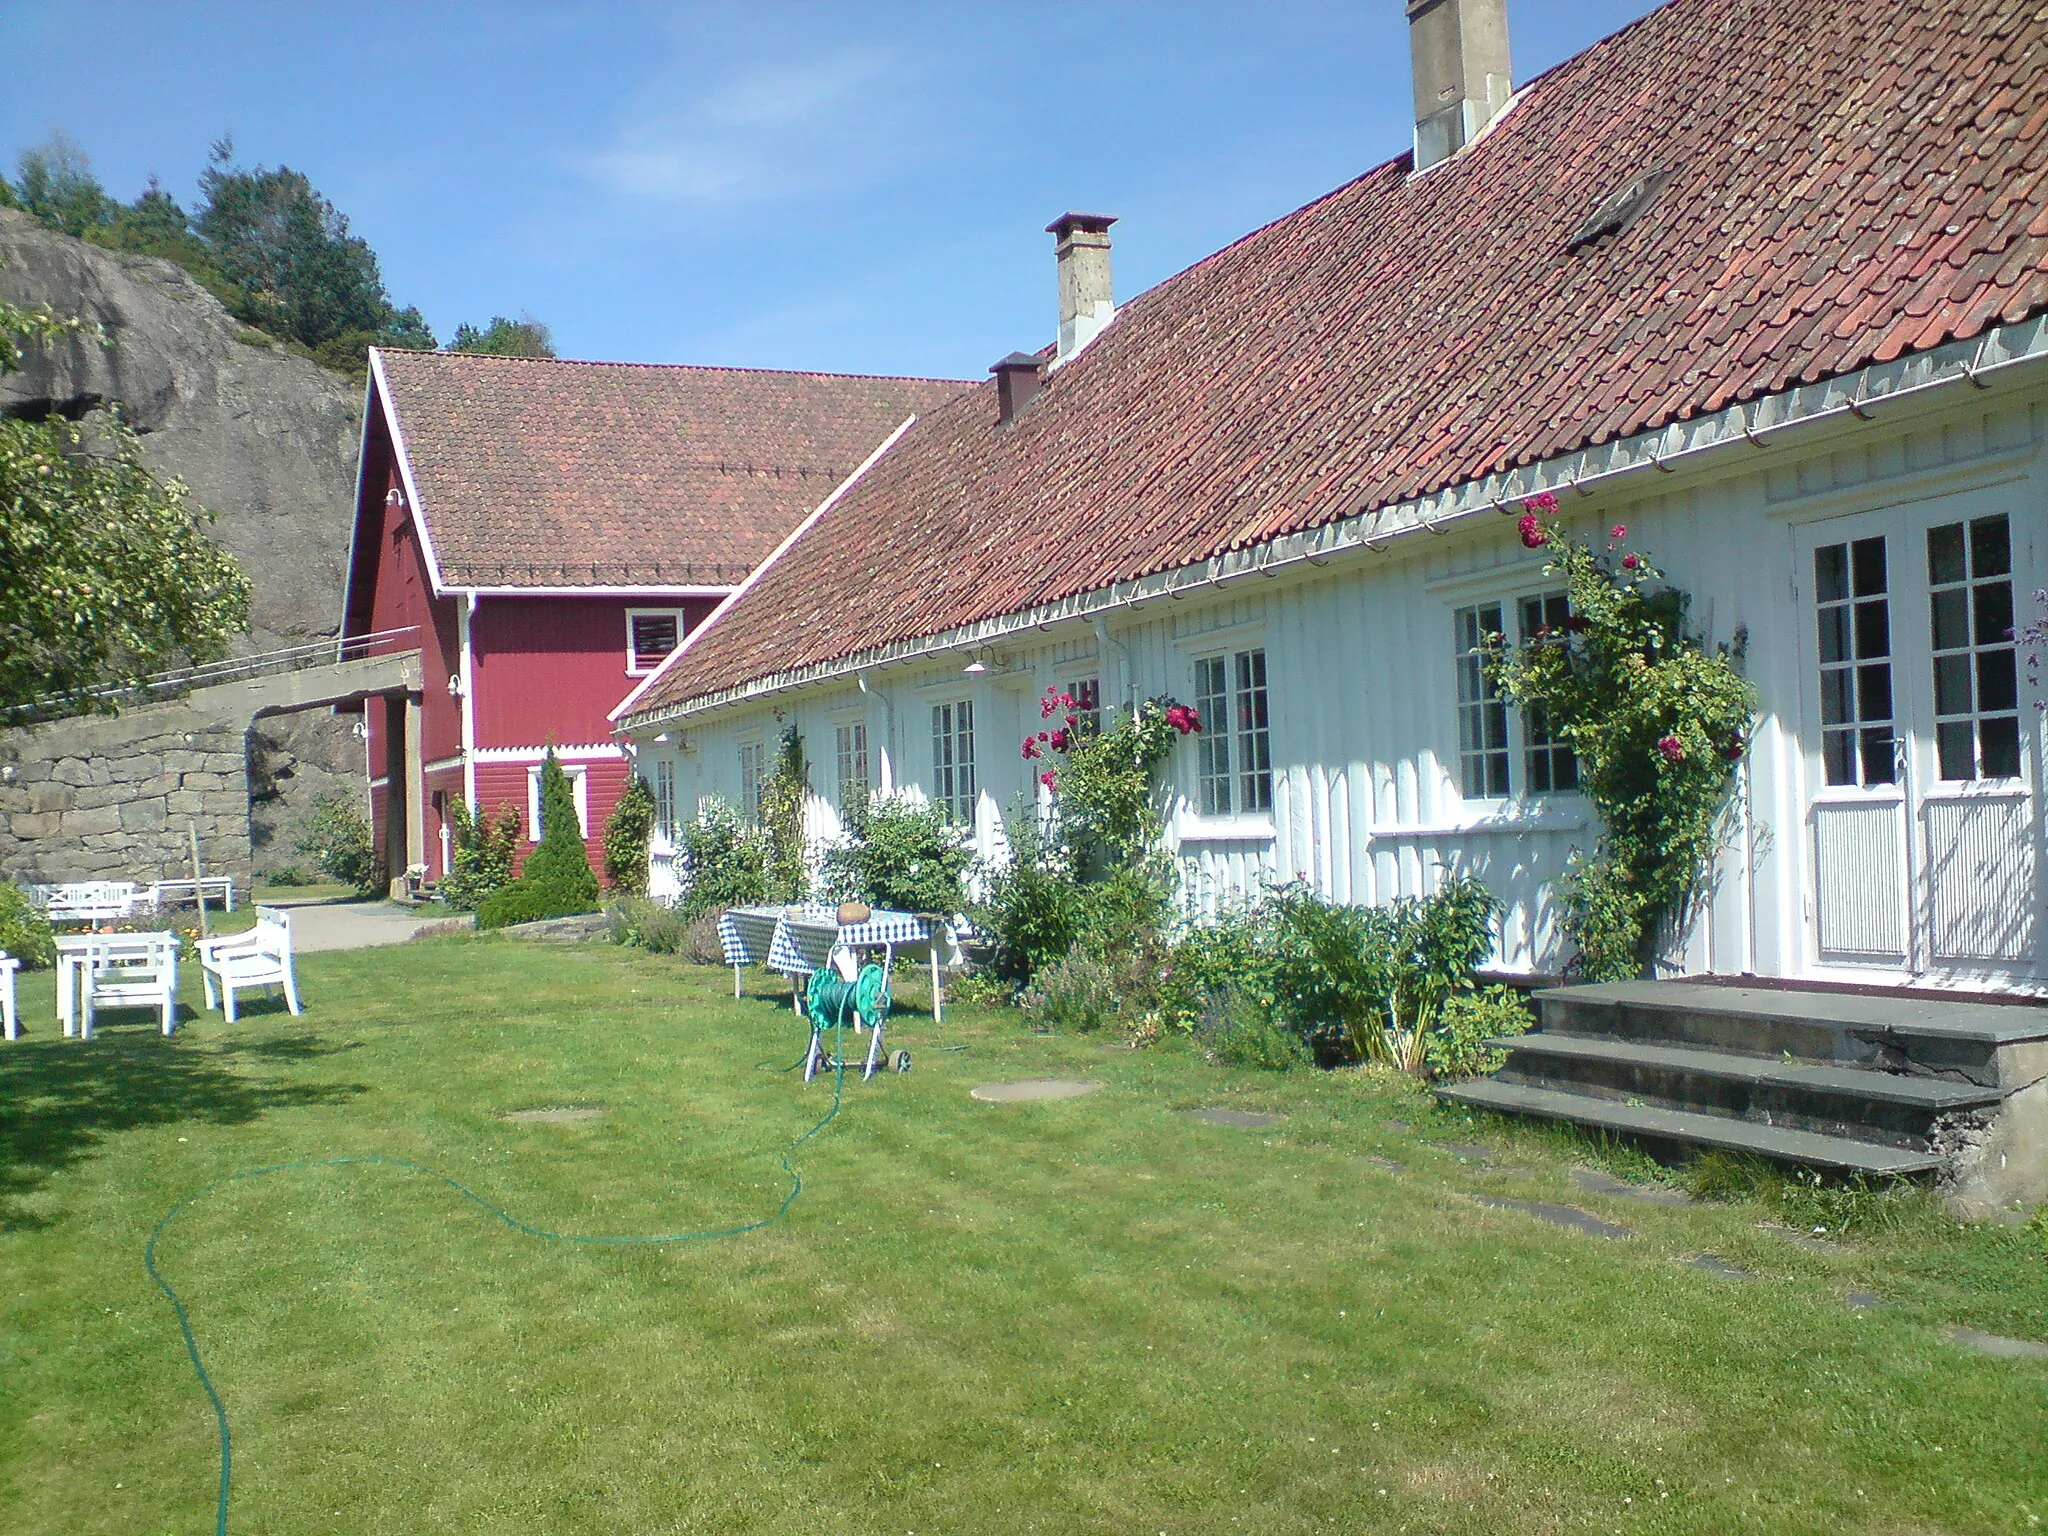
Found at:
<point>1482,712</point>
<point>1851,587</point>
<point>953,785</point>
<point>1086,692</point>
<point>1546,762</point>
<point>664,798</point>
<point>1233,753</point>
<point>851,750</point>
<point>1976,675</point>
<point>650,636</point>
<point>753,769</point>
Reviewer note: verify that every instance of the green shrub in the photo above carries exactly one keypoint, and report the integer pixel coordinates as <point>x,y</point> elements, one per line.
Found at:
<point>900,856</point>
<point>1214,960</point>
<point>24,932</point>
<point>1032,910</point>
<point>723,862</point>
<point>649,925</point>
<point>559,860</point>
<point>336,836</point>
<point>485,848</point>
<point>784,795</point>
<point>981,989</point>
<point>529,901</point>
<point>626,833</point>
<point>1239,1029</point>
<point>1454,1048</point>
<point>1076,993</point>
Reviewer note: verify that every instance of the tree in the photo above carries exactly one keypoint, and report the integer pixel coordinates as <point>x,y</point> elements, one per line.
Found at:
<point>626,832</point>
<point>105,573</point>
<point>505,338</point>
<point>485,849</point>
<point>556,881</point>
<point>305,276</point>
<point>57,185</point>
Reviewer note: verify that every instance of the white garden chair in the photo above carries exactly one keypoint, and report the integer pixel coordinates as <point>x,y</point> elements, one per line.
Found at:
<point>10,1016</point>
<point>130,970</point>
<point>262,957</point>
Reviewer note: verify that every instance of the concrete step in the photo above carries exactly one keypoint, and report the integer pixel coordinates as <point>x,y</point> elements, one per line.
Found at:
<point>1992,1045</point>
<point>1893,1108</point>
<point>1684,1129</point>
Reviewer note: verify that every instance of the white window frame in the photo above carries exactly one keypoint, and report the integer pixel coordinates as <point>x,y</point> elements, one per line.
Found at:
<point>636,665</point>
<point>579,786</point>
<point>664,786</point>
<point>956,783</point>
<point>1517,743</point>
<point>1230,742</point>
<point>753,758</point>
<point>851,749</point>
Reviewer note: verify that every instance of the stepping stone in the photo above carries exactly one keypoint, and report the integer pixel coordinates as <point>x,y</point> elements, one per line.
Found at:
<point>1714,1264</point>
<point>1862,1301</point>
<point>1033,1088</point>
<point>1242,1119</point>
<point>1558,1215</point>
<point>1594,1181</point>
<point>1385,1164</point>
<point>1996,1344</point>
<point>1397,1125</point>
<point>1467,1151</point>
<point>561,1114</point>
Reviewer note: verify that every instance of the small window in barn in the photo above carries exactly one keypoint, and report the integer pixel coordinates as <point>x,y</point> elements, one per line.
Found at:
<point>954,789</point>
<point>579,786</point>
<point>1482,713</point>
<point>651,633</point>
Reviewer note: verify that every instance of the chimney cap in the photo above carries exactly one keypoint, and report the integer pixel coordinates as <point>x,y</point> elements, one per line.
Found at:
<point>1088,223</point>
<point>1016,360</point>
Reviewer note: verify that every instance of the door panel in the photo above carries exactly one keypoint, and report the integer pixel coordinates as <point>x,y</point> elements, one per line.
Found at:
<point>1860,897</point>
<point>1980,874</point>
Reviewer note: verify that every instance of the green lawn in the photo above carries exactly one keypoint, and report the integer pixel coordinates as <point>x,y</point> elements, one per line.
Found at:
<point>1099,1315</point>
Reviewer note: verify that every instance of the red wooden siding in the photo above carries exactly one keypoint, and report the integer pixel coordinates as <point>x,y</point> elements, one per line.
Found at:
<point>556,666</point>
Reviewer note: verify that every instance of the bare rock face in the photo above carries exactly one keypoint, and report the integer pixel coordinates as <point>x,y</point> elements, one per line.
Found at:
<point>265,440</point>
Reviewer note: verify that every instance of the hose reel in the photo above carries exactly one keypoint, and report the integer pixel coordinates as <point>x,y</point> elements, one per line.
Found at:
<point>833,1002</point>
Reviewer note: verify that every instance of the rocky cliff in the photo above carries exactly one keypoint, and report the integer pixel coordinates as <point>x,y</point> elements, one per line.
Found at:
<point>266,441</point>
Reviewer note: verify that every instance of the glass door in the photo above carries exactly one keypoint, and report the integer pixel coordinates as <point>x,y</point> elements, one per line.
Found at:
<point>1923,808</point>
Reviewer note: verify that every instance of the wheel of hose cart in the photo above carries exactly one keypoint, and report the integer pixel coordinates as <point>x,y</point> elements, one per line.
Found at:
<point>902,1062</point>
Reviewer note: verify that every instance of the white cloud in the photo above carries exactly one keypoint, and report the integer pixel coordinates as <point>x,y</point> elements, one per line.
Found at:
<point>761,132</point>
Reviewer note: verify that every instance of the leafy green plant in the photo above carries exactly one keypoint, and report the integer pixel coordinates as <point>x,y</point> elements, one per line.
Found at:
<point>485,849</point>
<point>24,932</point>
<point>783,798</point>
<point>1077,994</point>
<point>901,856</point>
<point>650,925</point>
<point>1658,722</point>
<point>1456,1047</point>
<point>1239,1028</point>
<point>722,861</point>
<point>336,836</point>
<point>530,901</point>
<point>626,834</point>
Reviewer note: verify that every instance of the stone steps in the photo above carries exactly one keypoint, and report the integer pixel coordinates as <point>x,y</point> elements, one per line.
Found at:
<point>1859,1083</point>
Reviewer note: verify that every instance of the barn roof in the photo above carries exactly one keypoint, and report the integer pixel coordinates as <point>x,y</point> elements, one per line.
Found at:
<point>532,472</point>
<point>1724,200</point>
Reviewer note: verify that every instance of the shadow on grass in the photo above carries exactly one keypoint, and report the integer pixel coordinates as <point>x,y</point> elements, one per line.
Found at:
<point>59,1099</point>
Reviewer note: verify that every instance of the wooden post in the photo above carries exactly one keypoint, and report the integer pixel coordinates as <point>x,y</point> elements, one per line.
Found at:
<point>198,877</point>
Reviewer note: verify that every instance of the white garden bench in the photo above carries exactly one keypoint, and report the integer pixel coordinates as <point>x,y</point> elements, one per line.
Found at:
<point>92,901</point>
<point>262,957</point>
<point>219,888</point>
<point>128,970</point>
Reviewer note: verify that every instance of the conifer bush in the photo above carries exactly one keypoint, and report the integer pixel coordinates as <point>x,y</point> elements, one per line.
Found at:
<point>557,880</point>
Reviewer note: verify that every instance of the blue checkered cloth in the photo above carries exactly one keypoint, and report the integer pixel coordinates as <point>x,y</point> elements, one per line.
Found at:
<point>747,934</point>
<point>805,938</point>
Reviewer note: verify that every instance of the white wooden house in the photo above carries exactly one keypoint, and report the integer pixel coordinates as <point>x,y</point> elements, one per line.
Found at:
<point>1762,281</point>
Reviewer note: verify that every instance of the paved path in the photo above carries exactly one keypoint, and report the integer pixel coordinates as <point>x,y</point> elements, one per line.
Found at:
<point>360,924</point>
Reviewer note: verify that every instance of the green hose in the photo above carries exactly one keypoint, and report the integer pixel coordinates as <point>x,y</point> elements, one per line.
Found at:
<point>220,1412</point>
<point>830,998</point>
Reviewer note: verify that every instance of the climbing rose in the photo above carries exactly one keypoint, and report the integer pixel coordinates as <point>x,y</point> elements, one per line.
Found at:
<point>1183,719</point>
<point>1048,778</point>
<point>1542,501</point>
<point>1578,623</point>
<point>1618,531</point>
<point>1043,737</point>
<point>1672,748</point>
<point>1030,748</point>
<point>1630,562</point>
<point>1733,751</point>
<point>1059,741</point>
<point>1533,536</point>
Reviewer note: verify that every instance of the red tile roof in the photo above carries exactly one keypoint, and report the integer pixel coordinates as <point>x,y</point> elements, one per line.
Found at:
<point>1850,181</point>
<point>533,472</point>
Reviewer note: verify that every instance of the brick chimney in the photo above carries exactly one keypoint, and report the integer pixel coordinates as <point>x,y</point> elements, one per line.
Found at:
<point>1018,377</point>
<point>1459,53</point>
<point>1086,303</point>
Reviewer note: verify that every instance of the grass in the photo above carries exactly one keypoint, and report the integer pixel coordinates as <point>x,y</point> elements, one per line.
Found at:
<point>1097,1315</point>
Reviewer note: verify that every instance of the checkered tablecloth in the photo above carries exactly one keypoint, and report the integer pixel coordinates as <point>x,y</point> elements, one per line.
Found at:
<point>805,938</point>
<point>747,934</point>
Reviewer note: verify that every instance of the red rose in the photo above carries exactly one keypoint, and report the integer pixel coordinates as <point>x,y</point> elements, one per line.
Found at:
<point>1048,778</point>
<point>1531,527</point>
<point>1630,562</point>
<point>1672,748</point>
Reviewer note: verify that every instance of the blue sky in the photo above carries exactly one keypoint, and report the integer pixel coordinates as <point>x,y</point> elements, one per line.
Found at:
<point>789,183</point>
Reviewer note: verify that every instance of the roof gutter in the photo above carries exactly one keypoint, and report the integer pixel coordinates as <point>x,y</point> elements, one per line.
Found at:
<point>1586,472</point>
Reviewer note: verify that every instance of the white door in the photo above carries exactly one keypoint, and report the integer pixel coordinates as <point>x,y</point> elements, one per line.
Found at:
<point>1920,746</point>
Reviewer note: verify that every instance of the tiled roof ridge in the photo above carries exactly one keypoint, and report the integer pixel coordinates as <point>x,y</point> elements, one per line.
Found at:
<point>599,362</point>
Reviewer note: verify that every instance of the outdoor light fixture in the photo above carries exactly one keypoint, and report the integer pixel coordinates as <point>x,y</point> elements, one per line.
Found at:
<point>975,667</point>
<point>454,685</point>
<point>661,739</point>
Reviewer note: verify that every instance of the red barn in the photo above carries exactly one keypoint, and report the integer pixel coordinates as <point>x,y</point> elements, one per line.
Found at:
<point>546,532</point>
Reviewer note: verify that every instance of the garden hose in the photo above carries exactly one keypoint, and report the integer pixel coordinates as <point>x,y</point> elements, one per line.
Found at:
<point>220,1412</point>
<point>830,997</point>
